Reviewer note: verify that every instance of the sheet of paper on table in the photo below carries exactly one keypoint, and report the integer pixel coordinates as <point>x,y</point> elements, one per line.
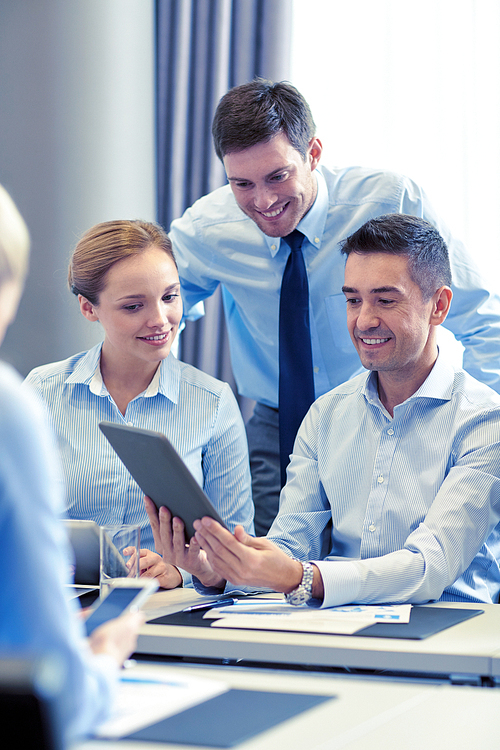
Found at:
<point>344,620</point>
<point>72,591</point>
<point>146,697</point>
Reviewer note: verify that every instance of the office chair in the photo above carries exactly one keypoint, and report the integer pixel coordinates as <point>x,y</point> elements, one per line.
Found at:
<point>28,702</point>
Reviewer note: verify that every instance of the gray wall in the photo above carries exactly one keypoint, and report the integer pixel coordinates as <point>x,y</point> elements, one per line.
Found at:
<point>76,147</point>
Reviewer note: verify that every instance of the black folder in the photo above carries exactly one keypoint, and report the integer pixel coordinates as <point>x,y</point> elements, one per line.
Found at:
<point>228,719</point>
<point>424,621</point>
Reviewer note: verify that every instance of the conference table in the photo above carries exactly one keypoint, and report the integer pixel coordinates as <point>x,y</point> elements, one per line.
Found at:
<point>468,652</point>
<point>439,692</point>
<point>362,715</point>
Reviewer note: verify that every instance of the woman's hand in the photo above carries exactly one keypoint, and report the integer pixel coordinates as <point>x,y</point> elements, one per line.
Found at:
<point>151,565</point>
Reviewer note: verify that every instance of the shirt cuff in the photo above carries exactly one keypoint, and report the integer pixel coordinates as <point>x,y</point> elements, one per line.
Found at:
<point>229,588</point>
<point>207,590</point>
<point>341,582</point>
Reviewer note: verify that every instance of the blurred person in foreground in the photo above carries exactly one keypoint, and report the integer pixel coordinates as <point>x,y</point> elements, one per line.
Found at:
<point>36,618</point>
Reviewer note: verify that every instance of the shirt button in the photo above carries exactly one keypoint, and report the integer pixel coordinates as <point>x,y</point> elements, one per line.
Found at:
<point>316,369</point>
<point>371,527</point>
<point>273,247</point>
<point>390,431</point>
<point>316,239</point>
<point>380,480</point>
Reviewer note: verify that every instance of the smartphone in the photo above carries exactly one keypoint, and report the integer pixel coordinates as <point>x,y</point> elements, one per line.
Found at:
<point>124,596</point>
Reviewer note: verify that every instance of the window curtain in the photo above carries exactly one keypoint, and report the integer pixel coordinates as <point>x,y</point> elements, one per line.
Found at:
<point>204,48</point>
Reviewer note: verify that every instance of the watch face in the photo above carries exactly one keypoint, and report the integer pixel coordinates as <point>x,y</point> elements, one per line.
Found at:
<point>299,596</point>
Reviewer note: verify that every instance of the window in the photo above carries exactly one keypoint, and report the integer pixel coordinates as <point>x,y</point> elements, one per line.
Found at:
<point>412,87</point>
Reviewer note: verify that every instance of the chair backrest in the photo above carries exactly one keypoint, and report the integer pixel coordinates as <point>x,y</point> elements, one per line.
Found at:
<point>29,689</point>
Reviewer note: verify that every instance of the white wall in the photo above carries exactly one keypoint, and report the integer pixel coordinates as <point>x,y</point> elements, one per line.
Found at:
<point>412,86</point>
<point>76,146</point>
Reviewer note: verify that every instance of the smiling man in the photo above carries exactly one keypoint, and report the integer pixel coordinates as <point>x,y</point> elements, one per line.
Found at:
<point>391,301</point>
<point>393,491</point>
<point>282,187</point>
<point>239,236</point>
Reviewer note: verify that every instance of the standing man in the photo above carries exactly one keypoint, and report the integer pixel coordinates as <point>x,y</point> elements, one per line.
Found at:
<point>404,460</point>
<point>243,237</point>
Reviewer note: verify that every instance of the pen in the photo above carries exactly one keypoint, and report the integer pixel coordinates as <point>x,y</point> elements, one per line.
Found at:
<point>210,605</point>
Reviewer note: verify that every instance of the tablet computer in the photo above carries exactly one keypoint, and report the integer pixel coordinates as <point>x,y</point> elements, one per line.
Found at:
<point>160,472</point>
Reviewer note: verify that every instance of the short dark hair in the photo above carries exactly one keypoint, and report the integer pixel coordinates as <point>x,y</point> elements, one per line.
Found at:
<point>400,234</point>
<point>257,111</point>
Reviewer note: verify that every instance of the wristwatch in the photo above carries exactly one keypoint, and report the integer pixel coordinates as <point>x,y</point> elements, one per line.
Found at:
<point>303,592</point>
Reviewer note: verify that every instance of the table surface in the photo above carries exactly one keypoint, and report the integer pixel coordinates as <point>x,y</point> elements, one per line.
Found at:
<point>366,714</point>
<point>470,648</point>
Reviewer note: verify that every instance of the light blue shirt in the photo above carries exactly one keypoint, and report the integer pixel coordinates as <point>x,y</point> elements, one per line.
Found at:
<point>35,616</point>
<point>216,243</point>
<point>198,414</point>
<point>414,500</point>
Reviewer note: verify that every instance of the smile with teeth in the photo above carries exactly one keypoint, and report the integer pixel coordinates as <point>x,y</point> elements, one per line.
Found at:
<point>372,342</point>
<point>156,337</point>
<point>272,214</point>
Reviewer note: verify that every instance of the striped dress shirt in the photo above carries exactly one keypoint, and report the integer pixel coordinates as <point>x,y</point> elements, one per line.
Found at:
<point>198,414</point>
<point>217,244</point>
<point>413,500</point>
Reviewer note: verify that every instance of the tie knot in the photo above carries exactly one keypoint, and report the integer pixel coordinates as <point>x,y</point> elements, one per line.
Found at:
<point>294,240</point>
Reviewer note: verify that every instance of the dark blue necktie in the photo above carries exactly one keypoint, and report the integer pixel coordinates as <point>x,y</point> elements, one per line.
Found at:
<point>296,380</point>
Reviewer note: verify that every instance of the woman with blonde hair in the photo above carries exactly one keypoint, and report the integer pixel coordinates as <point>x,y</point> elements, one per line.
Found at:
<point>125,277</point>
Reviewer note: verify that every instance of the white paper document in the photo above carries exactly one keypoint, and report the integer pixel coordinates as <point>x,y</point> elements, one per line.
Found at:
<point>344,620</point>
<point>72,591</point>
<point>146,696</point>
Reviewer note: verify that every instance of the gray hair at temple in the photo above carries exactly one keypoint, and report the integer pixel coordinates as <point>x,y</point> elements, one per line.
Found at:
<point>257,111</point>
<point>401,234</point>
<point>14,241</point>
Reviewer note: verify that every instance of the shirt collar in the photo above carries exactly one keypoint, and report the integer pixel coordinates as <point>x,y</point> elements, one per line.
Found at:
<point>166,380</point>
<point>438,384</point>
<point>168,377</point>
<point>86,367</point>
<point>312,225</point>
